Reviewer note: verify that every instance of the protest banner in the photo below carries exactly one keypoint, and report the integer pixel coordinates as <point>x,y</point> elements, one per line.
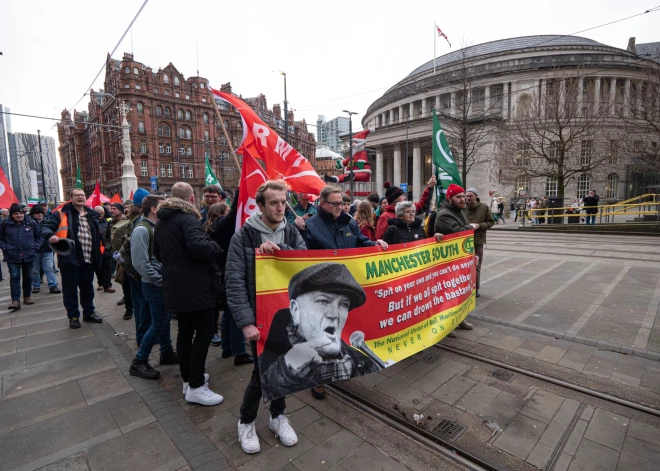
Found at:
<point>330,315</point>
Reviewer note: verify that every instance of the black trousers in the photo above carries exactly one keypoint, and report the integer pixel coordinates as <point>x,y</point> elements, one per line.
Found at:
<point>126,288</point>
<point>104,273</point>
<point>252,396</point>
<point>192,344</point>
<point>74,279</point>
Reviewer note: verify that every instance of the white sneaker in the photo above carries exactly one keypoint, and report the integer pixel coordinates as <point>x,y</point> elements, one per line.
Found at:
<point>247,435</point>
<point>187,385</point>
<point>204,396</point>
<point>282,429</point>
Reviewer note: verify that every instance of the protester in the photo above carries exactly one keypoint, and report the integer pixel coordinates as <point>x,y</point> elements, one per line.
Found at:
<point>19,241</point>
<point>381,207</point>
<point>212,194</point>
<point>128,207</point>
<point>478,213</point>
<point>119,224</point>
<point>150,270</point>
<point>500,209</point>
<point>374,199</point>
<point>333,228</point>
<point>451,219</point>
<point>366,220</point>
<point>346,203</point>
<point>188,257</point>
<point>77,223</point>
<point>267,231</point>
<point>405,227</point>
<point>104,273</point>
<point>4,214</point>
<point>394,194</point>
<point>301,211</point>
<point>44,206</point>
<point>44,258</point>
<point>591,207</point>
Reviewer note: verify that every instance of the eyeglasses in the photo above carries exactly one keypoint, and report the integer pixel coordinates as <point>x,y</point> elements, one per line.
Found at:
<point>407,213</point>
<point>335,204</point>
<point>211,197</point>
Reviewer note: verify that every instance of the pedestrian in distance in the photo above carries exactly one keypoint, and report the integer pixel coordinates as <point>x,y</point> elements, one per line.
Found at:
<point>190,287</point>
<point>104,273</point>
<point>150,270</point>
<point>74,234</point>
<point>268,231</point>
<point>44,258</point>
<point>480,214</point>
<point>500,209</point>
<point>591,207</point>
<point>19,240</point>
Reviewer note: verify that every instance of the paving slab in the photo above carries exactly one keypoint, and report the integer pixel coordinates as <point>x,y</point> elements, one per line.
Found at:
<point>327,453</point>
<point>591,456</point>
<point>454,389</point>
<point>607,428</point>
<point>542,406</point>
<point>365,456</point>
<point>320,430</point>
<point>503,409</point>
<point>477,398</point>
<point>639,455</point>
<point>103,386</point>
<point>76,462</point>
<point>521,436</point>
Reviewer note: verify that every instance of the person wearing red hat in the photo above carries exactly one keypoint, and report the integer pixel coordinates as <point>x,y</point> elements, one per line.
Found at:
<point>451,219</point>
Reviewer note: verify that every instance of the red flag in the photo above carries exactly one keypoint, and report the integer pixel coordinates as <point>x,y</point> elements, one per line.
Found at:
<point>131,196</point>
<point>116,199</point>
<point>95,200</point>
<point>282,160</point>
<point>7,196</point>
<point>252,176</point>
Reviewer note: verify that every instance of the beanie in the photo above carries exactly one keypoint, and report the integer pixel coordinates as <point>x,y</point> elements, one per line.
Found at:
<point>391,192</point>
<point>472,190</point>
<point>119,206</point>
<point>139,195</point>
<point>36,209</point>
<point>15,208</point>
<point>454,189</point>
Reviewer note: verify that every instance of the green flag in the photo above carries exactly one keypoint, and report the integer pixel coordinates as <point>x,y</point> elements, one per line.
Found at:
<point>78,178</point>
<point>446,171</point>
<point>209,176</point>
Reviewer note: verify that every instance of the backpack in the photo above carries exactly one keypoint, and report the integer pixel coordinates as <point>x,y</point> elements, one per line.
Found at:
<point>125,249</point>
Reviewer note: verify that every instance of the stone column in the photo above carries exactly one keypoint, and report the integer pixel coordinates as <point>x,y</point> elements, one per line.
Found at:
<point>626,98</point>
<point>397,166</point>
<point>505,101</point>
<point>437,103</point>
<point>412,111</point>
<point>596,108</point>
<point>612,104</point>
<point>398,118</point>
<point>578,99</point>
<point>452,104</point>
<point>401,113</point>
<point>562,95</point>
<point>379,169</point>
<point>128,178</point>
<point>417,170</point>
<point>424,109</point>
<point>487,100</point>
<point>542,98</point>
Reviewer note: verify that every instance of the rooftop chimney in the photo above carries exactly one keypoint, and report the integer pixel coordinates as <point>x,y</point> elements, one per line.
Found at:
<point>277,110</point>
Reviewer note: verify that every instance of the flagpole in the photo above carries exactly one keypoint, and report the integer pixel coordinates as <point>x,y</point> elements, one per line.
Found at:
<point>435,33</point>
<point>224,131</point>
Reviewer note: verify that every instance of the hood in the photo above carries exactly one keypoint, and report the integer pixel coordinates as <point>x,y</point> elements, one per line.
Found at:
<point>257,223</point>
<point>172,206</point>
<point>402,224</point>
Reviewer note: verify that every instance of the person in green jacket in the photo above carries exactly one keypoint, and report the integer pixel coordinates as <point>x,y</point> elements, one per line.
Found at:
<point>478,213</point>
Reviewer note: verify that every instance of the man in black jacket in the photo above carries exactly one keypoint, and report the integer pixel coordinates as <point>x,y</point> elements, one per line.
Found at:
<point>78,223</point>
<point>591,207</point>
<point>190,286</point>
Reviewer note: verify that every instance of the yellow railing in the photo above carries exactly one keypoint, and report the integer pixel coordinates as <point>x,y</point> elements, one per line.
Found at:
<point>603,211</point>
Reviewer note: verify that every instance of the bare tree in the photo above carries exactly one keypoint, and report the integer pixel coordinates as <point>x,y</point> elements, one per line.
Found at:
<point>555,133</point>
<point>471,122</point>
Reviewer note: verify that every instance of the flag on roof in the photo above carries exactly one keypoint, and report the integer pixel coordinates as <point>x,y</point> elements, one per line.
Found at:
<point>442,35</point>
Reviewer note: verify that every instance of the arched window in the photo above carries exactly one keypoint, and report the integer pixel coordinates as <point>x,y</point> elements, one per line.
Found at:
<point>140,107</point>
<point>583,185</point>
<point>523,106</point>
<point>188,116</point>
<point>206,118</point>
<point>127,70</point>
<point>136,71</point>
<point>179,114</point>
<point>612,190</point>
<point>551,186</point>
<point>176,81</point>
<point>159,110</point>
<point>143,147</point>
<point>206,135</point>
<point>166,79</point>
<point>164,130</point>
<point>167,111</point>
<point>185,132</point>
<point>201,85</point>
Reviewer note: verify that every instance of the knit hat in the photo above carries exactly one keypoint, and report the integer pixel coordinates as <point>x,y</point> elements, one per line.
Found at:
<point>36,209</point>
<point>472,190</point>
<point>391,192</point>
<point>15,208</point>
<point>119,206</point>
<point>454,189</point>
<point>139,195</point>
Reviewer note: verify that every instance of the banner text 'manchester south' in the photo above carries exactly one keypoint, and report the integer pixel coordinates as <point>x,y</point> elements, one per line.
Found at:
<point>411,261</point>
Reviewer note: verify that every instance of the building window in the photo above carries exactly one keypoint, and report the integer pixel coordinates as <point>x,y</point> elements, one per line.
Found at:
<point>136,71</point>
<point>182,150</point>
<point>551,186</point>
<point>190,171</point>
<point>553,152</point>
<point>143,147</point>
<point>583,184</point>
<point>140,107</point>
<point>185,132</point>
<point>586,150</point>
<point>169,169</point>
<point>138,87</point>
<point>176,81</point>
<point>612,190</point>
<point>161,147</point>
<point>127,70</point>
<point>156,91</point>
<point>188,116</point>
<point>167,111</point>
<point>167,93</point>
<point>201,85</point>
<point>179,114</point>
<point>159,110</point>
<point>613,154</point>
<point>127,86</point>
<point>145,172</point>
<point>189,150</point>
<point>168,148</point>
<point>222,141</point>
<point>164,130</point>
<point>166,79</point>
<point>522,186</point>
<point>206,118</point>
<point>141,127</point>
<point>183,170</point>
<point>162,170</point>
<point>176,95</point>
<point>522,154</point>
<point>206,135</point>
<point>203,100</point>
<point>187,96</point>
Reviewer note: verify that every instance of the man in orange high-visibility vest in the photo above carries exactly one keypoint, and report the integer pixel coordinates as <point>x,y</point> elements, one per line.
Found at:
<point>77,222</point>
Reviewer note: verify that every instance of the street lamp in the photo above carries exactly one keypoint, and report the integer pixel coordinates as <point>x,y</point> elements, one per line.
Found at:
<point>286,110</point>
<point>350,147</point>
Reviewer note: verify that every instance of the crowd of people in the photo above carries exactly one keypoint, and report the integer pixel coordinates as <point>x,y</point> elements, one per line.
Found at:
<point>536,210</point>
<point>166,248</point>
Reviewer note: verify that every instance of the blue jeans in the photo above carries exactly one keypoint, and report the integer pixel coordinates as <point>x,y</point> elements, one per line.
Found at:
<point>159,330</point>
<point>232,337</point>
<point>140,310</point>
<point>592,218</point>
<point>44,260</point>
<point>15,269</point>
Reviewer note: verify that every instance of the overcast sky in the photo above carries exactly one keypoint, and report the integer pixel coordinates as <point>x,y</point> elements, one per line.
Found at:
<point>337,54</point>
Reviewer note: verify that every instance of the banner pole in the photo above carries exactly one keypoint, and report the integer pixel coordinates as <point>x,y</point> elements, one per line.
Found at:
<point>224,131</point>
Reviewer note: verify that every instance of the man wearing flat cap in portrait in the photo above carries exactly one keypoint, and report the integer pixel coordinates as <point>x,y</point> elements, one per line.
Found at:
<point>304,346</point>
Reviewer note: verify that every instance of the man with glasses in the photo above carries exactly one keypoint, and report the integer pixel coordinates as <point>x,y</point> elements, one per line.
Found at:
<point>332,228</point>
<point>212,194</point>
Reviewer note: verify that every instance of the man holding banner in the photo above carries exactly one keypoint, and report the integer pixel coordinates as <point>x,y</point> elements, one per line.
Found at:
<point>266,230</point>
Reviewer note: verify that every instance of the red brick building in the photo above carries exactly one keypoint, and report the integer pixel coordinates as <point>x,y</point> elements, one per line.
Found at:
<point>173,125</point>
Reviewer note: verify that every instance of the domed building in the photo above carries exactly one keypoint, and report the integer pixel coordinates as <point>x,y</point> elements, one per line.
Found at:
<point>481,91</point>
